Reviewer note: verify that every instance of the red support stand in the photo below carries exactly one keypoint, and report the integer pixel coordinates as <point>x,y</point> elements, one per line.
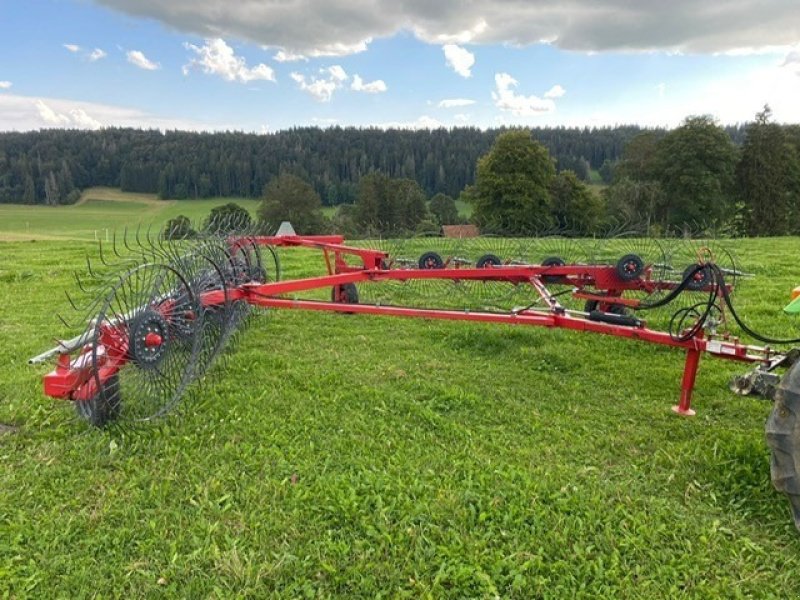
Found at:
<point>684,408</point>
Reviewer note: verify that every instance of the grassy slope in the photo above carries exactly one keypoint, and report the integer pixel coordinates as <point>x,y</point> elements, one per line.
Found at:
<point>348,455</point>
<point>100,209</point>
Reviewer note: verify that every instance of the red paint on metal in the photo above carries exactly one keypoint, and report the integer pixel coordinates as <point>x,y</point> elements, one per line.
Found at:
<point>684,408</point>
<point>153,340</point>
<point>95,364</point>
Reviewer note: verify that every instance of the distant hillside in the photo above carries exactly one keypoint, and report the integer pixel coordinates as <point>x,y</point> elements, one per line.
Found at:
<point>52,166</point>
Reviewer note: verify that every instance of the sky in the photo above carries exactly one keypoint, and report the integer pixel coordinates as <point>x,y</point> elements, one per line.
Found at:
<point>266,65</point>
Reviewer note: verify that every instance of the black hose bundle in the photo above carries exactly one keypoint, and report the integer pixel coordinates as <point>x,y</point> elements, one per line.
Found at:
<point>701,311</point>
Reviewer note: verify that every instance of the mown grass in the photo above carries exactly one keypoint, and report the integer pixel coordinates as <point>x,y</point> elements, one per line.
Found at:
<point>100,212</point>
<point>357,456</point>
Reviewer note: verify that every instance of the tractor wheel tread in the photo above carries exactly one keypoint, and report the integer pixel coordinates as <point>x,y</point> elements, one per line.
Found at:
<point>782,432</point>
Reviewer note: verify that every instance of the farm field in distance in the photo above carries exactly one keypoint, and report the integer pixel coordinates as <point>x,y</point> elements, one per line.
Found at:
<point>100,209</point>
<point>352,456</point>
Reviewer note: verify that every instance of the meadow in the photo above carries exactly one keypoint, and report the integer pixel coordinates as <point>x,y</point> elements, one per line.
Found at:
<point>356,456</point>
<point>99,212</point>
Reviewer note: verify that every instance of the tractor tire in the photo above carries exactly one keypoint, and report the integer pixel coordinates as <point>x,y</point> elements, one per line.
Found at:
<point>783,438</point>
<point>104,407</point>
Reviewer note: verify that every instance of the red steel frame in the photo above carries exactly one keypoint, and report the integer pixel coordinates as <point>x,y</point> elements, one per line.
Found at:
<point>74,379</point>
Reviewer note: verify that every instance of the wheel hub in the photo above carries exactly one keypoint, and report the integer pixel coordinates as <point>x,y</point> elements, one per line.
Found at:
<point>149,334</point>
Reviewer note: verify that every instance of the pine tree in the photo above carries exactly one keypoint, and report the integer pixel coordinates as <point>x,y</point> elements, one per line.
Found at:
<point>765,177</point>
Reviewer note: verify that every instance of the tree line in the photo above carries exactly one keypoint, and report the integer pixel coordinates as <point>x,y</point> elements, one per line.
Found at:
<point>695,177</point>
<point>690,178</point>
<point>52,166</point>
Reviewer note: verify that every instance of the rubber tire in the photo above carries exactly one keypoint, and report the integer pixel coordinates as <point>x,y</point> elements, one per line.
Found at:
<point>552,261</point>
<point>783,439</point>
<point>696,285</point>
<point>488,260</point>
<point>346,293</point>
<point>104,407</point>
<point>624,273</point>
<point>434,258</point>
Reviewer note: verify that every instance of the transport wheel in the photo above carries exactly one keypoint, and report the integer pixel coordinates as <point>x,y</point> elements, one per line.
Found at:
<point>346,293</point>
<point>783,438</point>
<point>431,260</point>
<point>552,261</point>
<point>630,267</point>
<point>104,407</point>
<point>488,260</point>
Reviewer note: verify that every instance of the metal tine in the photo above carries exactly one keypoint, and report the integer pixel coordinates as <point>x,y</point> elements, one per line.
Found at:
<point>66,323</point>
<point>100,252</point>
<point>89,266</point>
<point>80,283</point>
<point>147,253</point>
<point>158,245</point>
<point>114,243</point>
<point>71,302</point>
<point>125,240</point>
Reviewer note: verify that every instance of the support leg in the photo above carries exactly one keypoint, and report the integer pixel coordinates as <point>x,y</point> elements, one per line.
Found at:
<point>687,385</point>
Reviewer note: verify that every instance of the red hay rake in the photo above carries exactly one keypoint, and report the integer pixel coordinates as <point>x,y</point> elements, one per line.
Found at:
<point>158,327</point>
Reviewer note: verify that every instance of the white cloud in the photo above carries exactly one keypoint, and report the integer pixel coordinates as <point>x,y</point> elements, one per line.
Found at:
<point>282,56</point>
<point>792,61</point>
<point>324,122</point>
<point>340,48</point>
<point>455,102</point>
<point>461,118</point>
<point>555,92</point>
<point>5,85</point>
<point>216,57</point>
<point>461,37</point>
<point>373,87</point>
<point>26,113</point>
<point>459,59</point>
<point>74,118</point>
<point>97,54</point>
<point>343,26</point>
<point>82,120</point>
<point>322,88</point>
<point>72,47</point>
<point>337,73</point>
<point>423,122</point>
<point>137,58</point>
<point>518,105</point>
<point>51,117</point>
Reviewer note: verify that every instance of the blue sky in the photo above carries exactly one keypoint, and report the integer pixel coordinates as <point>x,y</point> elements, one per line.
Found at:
<point>219,64</point>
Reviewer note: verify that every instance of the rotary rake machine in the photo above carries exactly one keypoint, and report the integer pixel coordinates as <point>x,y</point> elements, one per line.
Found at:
<point>156,325</point>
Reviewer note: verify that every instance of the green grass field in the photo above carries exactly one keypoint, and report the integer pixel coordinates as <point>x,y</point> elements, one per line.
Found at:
<point>355,456</point>
<point>101,211</point>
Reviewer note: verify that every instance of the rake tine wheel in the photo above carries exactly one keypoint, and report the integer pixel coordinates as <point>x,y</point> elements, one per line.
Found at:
<point>145,342</point>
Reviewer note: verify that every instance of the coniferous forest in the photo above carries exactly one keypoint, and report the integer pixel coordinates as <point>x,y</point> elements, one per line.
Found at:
<point>52,166</point>
<point>741,179</point>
